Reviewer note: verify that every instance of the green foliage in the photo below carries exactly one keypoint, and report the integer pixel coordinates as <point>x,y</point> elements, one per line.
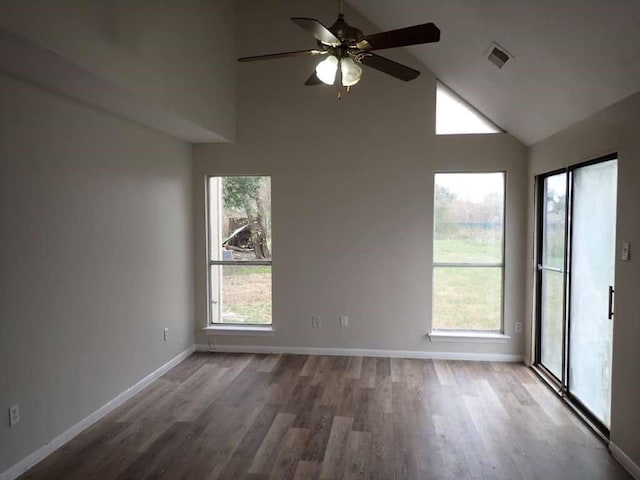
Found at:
<point>554,226</point>
<point>555,203</point>
<point>237,190</point>
<point>444,202</point>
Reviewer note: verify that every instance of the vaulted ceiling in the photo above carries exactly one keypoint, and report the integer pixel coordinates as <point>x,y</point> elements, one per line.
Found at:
<point>572,59</point>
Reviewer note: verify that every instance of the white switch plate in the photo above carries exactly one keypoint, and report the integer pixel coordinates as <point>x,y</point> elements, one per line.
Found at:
<point>315,322</point>
<point>626,251</point>
<point>14,414</point>
<point>518,327</point>
<point>166,334</point>
<point>344,321</point>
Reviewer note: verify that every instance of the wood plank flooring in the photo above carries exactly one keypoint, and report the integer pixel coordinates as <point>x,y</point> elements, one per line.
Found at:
<point>233,416</point>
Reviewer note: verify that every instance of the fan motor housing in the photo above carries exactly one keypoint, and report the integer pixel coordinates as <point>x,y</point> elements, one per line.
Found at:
<point>346,33</point>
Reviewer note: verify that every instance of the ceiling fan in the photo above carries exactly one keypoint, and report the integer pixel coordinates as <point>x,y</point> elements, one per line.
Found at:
<point>345,48</point>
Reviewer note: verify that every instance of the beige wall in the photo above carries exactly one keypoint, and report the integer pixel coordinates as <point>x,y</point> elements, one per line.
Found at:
<point>176,54</point>
<point>96,260</point>
<point>615,129</point>
<point>352,201</point>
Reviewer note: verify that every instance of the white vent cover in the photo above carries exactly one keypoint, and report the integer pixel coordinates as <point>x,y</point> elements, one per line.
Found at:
<point>498,55</point>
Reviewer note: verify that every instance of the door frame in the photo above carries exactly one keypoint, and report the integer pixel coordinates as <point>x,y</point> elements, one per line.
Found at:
<point>561,384</point>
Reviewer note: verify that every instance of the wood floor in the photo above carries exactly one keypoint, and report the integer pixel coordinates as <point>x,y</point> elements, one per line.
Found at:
<point>227,416</point>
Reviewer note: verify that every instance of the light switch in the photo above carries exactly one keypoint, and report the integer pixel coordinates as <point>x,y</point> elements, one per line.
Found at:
<point>626,251</point>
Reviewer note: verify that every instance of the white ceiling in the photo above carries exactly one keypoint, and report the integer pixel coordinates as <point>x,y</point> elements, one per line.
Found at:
<point>572,58</point>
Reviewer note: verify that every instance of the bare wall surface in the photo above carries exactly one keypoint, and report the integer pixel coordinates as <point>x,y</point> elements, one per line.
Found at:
<point>352,193</point>
<point>615,129</point>
<point>176,54</point>
<point>96,260</point>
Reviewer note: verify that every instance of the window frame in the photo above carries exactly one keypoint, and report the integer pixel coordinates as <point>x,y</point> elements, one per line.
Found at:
<point>220,327</point>
<point>462,334</point>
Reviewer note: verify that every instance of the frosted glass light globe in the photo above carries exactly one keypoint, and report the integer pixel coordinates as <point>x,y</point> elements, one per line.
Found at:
<point>326,70</point>
<point>351,72</point>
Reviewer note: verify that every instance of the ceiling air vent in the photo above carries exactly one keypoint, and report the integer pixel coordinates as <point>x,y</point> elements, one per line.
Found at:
<point>498,55</point>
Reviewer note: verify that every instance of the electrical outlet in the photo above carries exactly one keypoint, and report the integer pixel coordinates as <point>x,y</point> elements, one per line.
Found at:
<point>344,321</point>
<point>14,414</point>
<point>315,322</point>
<point>518,327</point>
<point>166,334</point>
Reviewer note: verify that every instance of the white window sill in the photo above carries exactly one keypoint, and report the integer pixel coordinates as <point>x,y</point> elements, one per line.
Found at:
<point>471,337</point>
<point>239,330</point>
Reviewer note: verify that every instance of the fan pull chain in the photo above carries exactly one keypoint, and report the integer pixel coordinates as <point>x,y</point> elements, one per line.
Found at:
<point>339,93</point>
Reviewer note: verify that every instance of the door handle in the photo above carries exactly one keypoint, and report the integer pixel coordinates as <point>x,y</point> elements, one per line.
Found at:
<point>611,292</point>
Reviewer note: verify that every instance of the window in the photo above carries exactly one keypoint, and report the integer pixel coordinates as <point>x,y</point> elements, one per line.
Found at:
<point>468,253</point>
<point>455,116</point>
<point>239,210</point>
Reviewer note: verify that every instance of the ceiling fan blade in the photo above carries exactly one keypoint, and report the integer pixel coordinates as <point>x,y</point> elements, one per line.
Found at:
<point>317,29</point>
<point>270,56</point>
<point>418,34</point>
<point>390,67</point>
<point>313,80</point>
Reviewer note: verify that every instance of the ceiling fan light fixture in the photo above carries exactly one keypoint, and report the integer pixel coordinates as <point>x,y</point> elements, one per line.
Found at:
<point>351,72</point>
<point>347,48</point>
<point>327,69</point>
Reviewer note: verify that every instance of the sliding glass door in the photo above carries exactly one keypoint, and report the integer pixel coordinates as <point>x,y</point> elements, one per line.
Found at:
<point>576,266</point>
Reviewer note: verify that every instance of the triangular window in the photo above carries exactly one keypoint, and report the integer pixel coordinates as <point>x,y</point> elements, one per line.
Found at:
<point>455,116</point>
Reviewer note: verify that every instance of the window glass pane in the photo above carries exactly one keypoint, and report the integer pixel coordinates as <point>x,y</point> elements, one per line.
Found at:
<point>469,217</point>
<point>554,214</point>
<point>455,116</point>
<point>552,311</point>
<point>245,218</point>
<point>467,298</point>
<point>245,292</point>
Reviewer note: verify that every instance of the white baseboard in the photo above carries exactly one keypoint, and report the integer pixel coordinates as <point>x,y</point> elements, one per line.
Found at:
<point>356,352</point>
<point>630,466</point>
<point>29,461</point>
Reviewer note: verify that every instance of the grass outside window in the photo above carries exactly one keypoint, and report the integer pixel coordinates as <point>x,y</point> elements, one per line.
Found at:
<point>246,295</point>
<point>468,298</point>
